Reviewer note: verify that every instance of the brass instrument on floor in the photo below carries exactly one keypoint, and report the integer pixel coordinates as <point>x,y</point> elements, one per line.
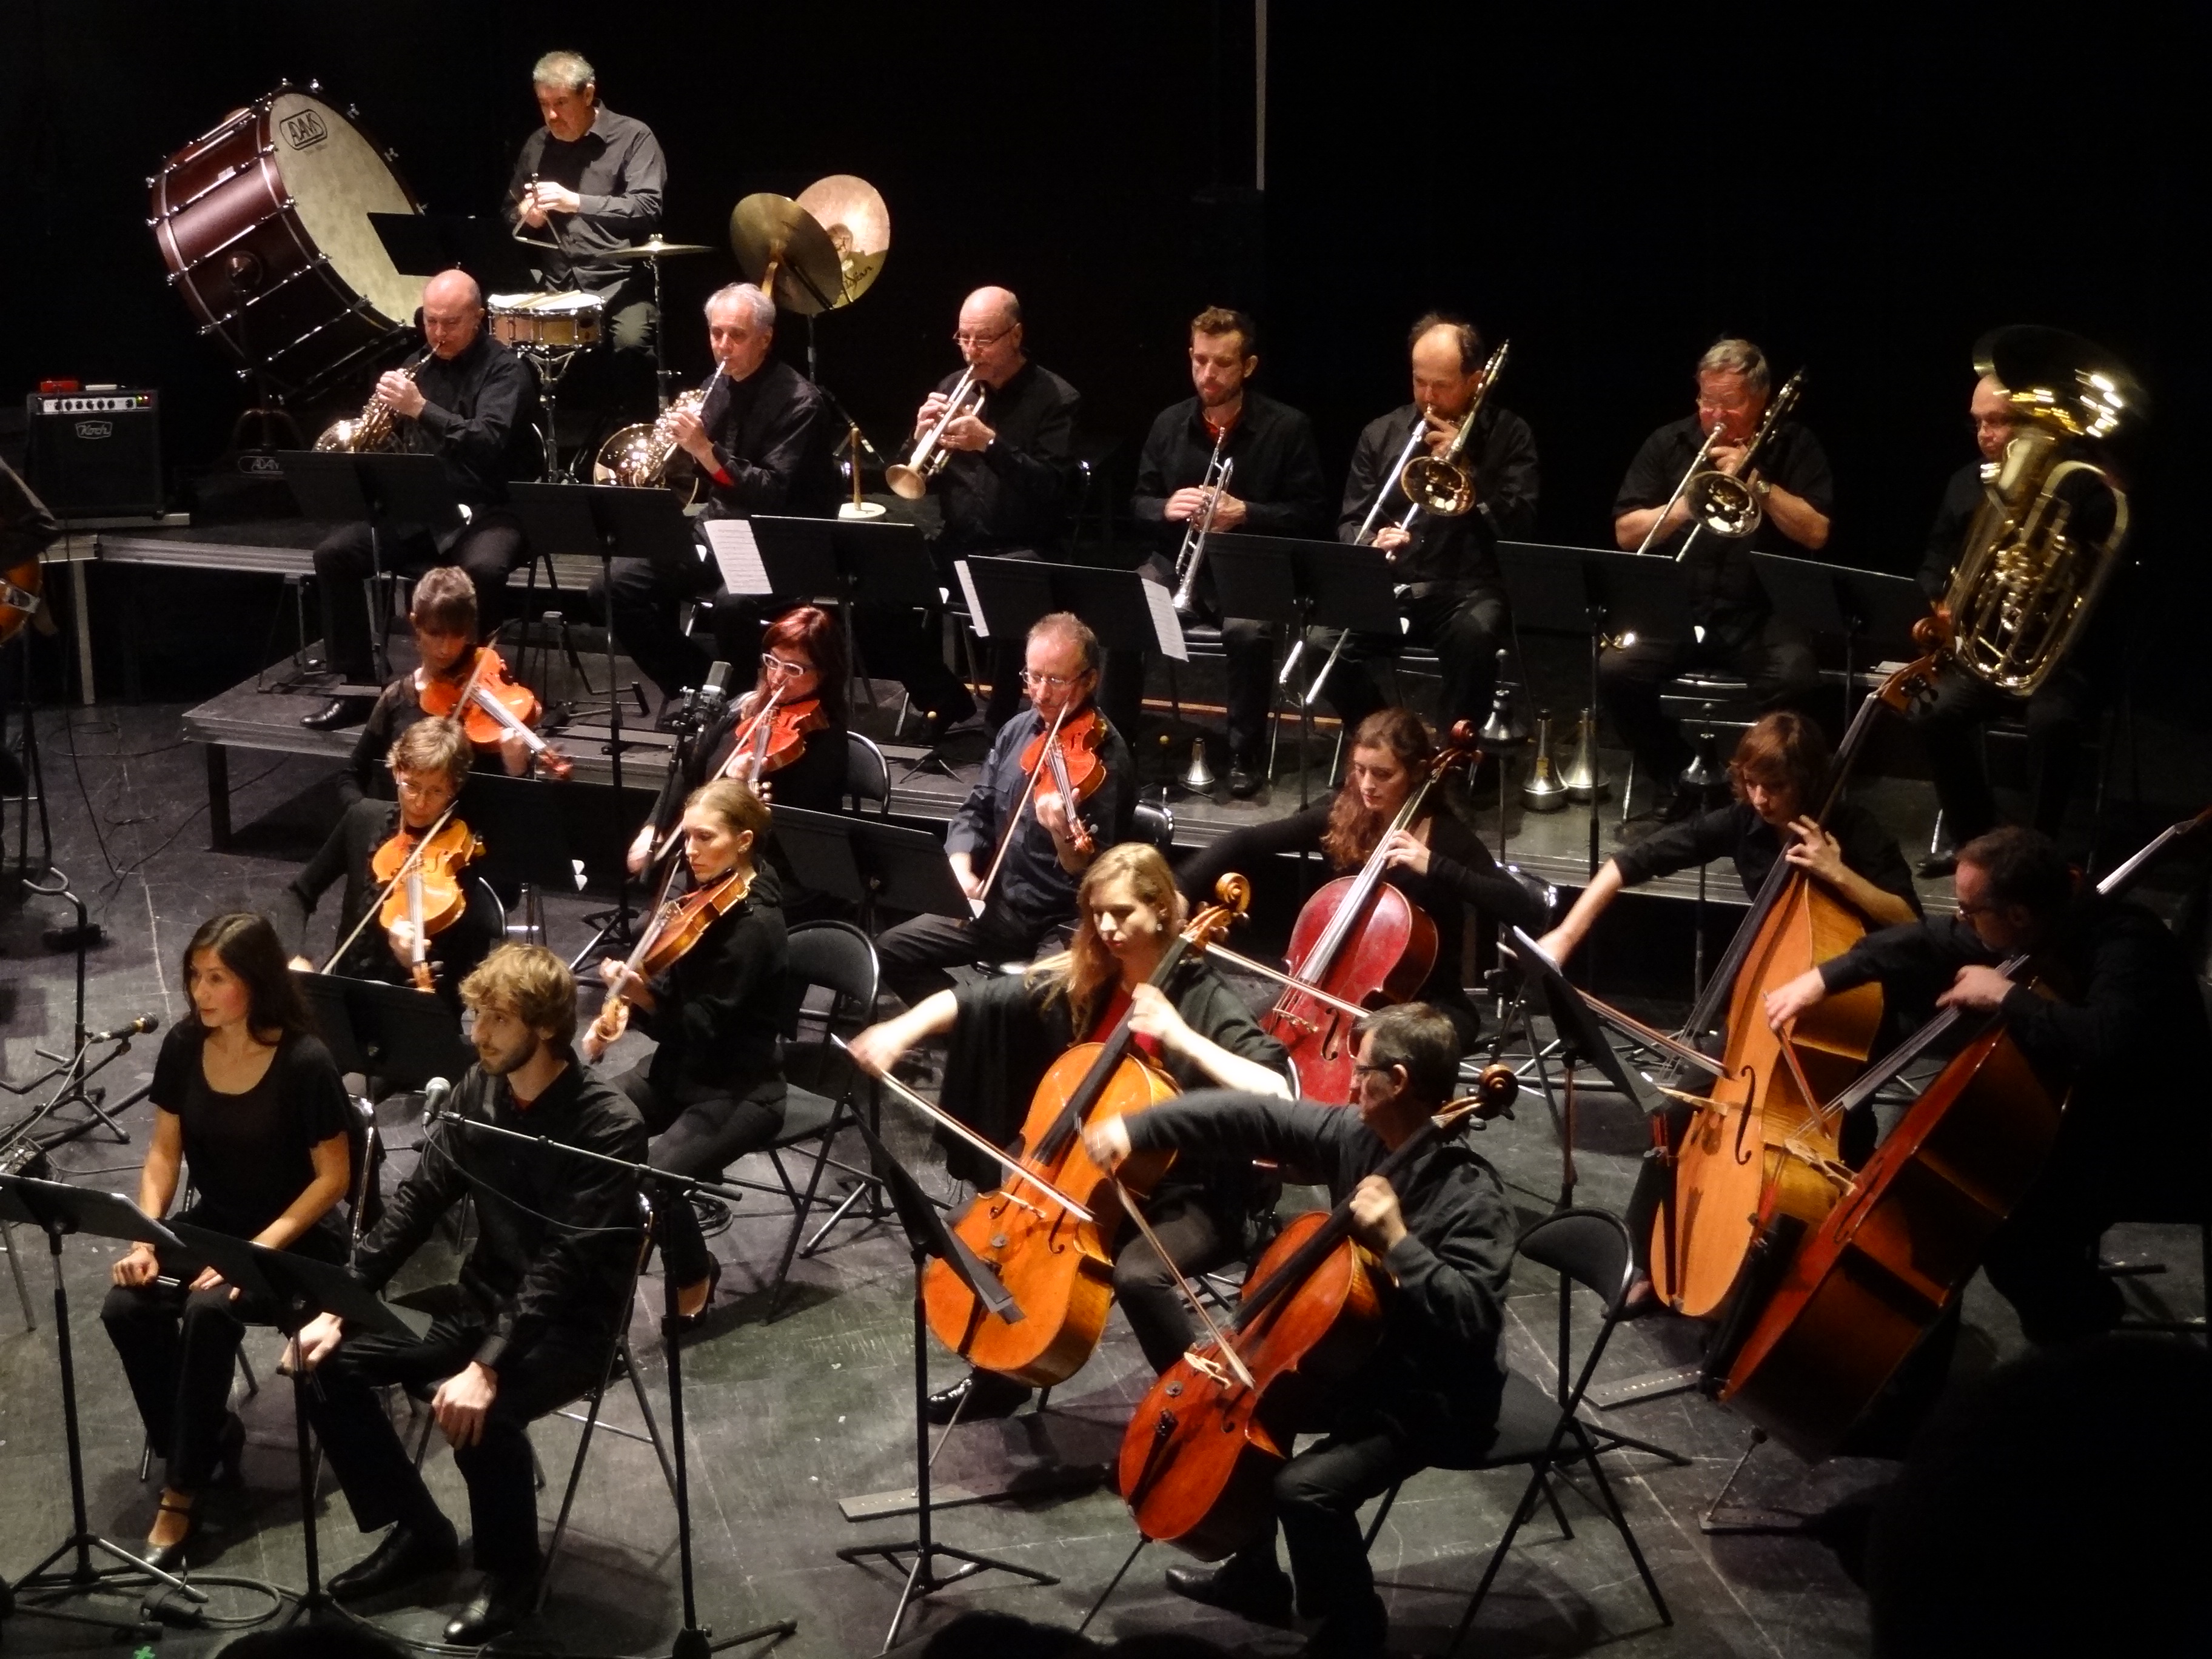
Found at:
<point>1726,503</point>
<point>2026,580</point>
<point>910,478</point>
<point>1442,484</point>
<point>370,432</point>
<point>643,456</point>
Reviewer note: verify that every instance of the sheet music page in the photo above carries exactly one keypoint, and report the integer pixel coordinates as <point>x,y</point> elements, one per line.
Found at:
<point>737,555</point>
<point>975,605</point>
<point>1165,624</point>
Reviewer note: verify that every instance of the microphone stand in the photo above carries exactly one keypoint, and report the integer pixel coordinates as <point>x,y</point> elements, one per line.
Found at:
<point>71,1067</point>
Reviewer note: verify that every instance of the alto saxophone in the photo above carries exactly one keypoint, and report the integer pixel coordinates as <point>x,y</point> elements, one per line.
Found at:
<point>371,432</point>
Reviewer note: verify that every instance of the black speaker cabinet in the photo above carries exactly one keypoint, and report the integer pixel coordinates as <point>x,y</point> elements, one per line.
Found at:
<point>96,454</point>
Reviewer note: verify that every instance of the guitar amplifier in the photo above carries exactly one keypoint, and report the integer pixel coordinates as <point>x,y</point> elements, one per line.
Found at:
<point>96,454</point>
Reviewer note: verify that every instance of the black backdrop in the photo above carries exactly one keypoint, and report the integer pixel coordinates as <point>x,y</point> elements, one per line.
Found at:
<point>1861,190</point>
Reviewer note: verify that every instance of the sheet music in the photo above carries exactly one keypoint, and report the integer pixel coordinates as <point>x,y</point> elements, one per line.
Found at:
<point>975,605</point>
<point>1166,625</point>
<point>737,555</point>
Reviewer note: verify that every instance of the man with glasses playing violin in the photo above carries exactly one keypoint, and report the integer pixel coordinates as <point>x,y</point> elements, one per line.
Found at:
<point>1736,628</point>
<point>1017,848</point>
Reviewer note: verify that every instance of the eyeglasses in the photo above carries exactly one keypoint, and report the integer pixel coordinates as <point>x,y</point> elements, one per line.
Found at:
<point>1384,1069</point>
<point>772,664</point>
<point>975,341</point>
<point>1038,681</point>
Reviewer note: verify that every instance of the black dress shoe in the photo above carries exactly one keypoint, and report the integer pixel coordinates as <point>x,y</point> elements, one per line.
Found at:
<point>338,712</point>
<point>987,1394</point>
<point>1246,772</point>
<point>1940,864</point>
<point>170,1556</point>
<point>404,1556</point>
<point>1260,1593</point>
<point>498,1606</point>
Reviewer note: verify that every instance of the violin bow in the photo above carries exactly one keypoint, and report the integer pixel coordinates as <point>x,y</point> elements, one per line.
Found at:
<point>1014,817</point>
<point>414,860</point>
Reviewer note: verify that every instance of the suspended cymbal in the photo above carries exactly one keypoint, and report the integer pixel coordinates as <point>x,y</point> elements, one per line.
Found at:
<point>654,249</point>
<point>2076,376</point>
<point>769,230</point>
<point>852,210</point>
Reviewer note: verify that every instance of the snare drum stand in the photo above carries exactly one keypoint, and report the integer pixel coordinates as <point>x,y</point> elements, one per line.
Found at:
<point>551,366</point>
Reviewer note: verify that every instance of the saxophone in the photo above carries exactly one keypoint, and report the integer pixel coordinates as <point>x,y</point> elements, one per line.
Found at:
<point>371,432</point>
<point>643,456</point>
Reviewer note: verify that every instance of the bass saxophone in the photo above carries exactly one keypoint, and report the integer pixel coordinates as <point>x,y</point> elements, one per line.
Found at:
<point>371,432</point>
<point>647,457</point>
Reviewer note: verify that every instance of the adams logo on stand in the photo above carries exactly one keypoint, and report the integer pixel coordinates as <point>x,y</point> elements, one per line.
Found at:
<point>96,453</point>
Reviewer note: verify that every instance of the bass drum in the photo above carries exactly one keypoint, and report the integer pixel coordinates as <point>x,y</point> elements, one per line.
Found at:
<point>264,223</point>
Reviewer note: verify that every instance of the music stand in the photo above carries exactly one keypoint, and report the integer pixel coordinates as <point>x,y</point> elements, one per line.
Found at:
<point>391,1035</point>
<point>424,244</point>
<point>336,487</point>
<point>869,861</point>
<point>1868,607</point>
<point>57,1209</point>
<point>928,1237</point>
<point>861,560</point>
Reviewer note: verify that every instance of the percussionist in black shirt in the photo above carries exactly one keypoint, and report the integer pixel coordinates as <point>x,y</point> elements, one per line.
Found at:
<point>762,440</point>
<point>1451,592</point>
<point>1737,628</point>
<point>471,402</point>
<point>542,1294</point>
<point>1274,488</point>
<point>589,181</point>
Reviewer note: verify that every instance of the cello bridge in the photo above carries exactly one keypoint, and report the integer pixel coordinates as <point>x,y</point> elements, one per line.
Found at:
<point>1841,1174</point>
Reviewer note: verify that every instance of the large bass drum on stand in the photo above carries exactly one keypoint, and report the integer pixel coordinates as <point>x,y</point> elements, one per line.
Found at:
<point>263,224</point>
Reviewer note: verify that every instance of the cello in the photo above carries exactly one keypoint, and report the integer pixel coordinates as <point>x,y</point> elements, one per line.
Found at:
<point>1877,1272</point>
<point>1048,1232</point>
<point>1358,942</point>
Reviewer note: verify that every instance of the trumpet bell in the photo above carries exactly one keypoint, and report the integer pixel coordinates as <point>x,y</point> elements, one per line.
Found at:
<point>908,483</point>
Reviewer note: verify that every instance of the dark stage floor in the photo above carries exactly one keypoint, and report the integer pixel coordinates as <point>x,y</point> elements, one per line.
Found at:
<point>789,1418</point>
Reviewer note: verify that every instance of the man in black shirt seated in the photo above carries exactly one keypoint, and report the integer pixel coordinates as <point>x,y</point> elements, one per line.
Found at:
<point>1428,1395</point>
<point>1041,867</point>
<point>1737,628</point>
<point>762,440</point>
<point>471,403</point>
<point>1451,592</point>
<point>1273,488</point>
<point>2124,1023</point>
<point>1008,489</point>
<point>544,1293</point>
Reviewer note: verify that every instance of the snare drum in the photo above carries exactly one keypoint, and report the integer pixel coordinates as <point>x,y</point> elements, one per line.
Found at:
<point>545,322</point>
<point>264,223</point>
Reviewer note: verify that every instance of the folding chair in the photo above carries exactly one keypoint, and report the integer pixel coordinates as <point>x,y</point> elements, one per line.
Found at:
<point>867,775</point>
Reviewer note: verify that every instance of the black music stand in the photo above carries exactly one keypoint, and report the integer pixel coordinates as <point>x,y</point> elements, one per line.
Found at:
<point>1870,611</point>
<point>298,1288</point>
<point>868,861</point>
<point>424,244</point>
<point>928,1236</point>
<point>881,561</point>
<point>392,1035</point>
<point>384,491</point>
<point>57,1209</point>
<point>1299,580</point>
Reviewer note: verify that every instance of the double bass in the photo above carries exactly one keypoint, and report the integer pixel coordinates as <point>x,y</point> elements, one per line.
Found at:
<point>1360,942</point>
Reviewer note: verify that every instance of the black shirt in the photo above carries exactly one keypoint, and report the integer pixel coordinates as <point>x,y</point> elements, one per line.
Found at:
<point>1962,498</point>
<point>1725,596</point>
<point>481,405</point>
<point>1277,476</point>
<point>1021,492</point>
<point>1435,1373</point>
<point>1735,831</point>
<point>556,1235</point>
<point>617,172</point>
<point>367,769</point>
<point>718,1010</point>
<point>1032,889</point>
<point>251,1154</point>
<point>1462,553</point>
<point>773,434</point>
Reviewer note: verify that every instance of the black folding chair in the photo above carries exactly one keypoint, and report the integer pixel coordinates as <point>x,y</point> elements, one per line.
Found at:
<point>867,775</point>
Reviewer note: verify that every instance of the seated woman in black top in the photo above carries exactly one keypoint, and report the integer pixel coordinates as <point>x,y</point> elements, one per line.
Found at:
<point>251,1100</point>
<point>1438,863</point>
<point>713,1089</point>
<point>1007,1031</point>
<point>1778,777</point>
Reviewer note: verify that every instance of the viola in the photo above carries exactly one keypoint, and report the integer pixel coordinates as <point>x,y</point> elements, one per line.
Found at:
<point>20,596</point>
<point>1068,752</point>
<point>678,924</point>
<point>422,875</point>
<point>492,705</point>
<point>1358,942</point>
<point>1047,1233</point>
<point>1201,1454</point>
<point>772,739</point>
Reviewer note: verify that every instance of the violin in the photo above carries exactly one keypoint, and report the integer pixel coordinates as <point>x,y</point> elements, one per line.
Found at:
<point>422,875</point>
<point>1069,751</point>
<point>1358,942</point>
<point>772,739</point>
<point>678,924</point>
<point>1048,1232</point>
<point>492,705</point>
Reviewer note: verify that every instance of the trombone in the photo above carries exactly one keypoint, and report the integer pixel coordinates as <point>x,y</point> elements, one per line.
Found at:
<point>1725,502</point>
<point>910,478</point>
<point>1191,554</point>
<point>1441,484</point>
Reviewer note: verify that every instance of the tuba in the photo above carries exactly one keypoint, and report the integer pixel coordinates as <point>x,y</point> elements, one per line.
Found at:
<point>2027,578</point>
<point>370,432</point>
<point>643,456</point>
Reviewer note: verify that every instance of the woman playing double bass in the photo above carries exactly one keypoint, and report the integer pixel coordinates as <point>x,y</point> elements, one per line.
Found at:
<point>1007,1031</point>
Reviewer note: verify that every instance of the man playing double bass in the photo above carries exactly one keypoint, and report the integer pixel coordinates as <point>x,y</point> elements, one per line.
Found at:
<point>1429,1393</point>
<point>2128,1019</point>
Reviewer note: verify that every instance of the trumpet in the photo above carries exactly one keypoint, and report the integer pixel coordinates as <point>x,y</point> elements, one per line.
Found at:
<point>1442,485</point>
<point>371,432</point>
<point>643,456</point>
<point>1191,554</point>
<point>910,478</point>
<point>1725,502</point>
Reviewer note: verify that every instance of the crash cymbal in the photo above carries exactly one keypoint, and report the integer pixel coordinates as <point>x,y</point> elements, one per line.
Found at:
<point>654,249</point>
<point>852,210</point>
<point>780,246</point>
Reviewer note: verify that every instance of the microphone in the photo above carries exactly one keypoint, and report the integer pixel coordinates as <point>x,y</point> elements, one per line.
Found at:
<point>714,695</point>
<point>138,1027</point>
<point>435,1093</point>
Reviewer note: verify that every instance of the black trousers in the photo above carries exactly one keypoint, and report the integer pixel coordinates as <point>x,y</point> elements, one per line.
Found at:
<point>1317,1497</point>
<point>1147,1288</point>
<point>381,1481</point>
<point>1778,662</point>
<point>915,955</point>
<point>698,1134</point>
<point>1250,649</point>
<point>643,607</point>
<point>343,564</point>
<point>1464,630</point>
<point>1950,724</point>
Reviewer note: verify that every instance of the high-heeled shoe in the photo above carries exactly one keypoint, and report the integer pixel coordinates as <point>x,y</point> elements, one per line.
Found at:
<point>170,1556</point>
<point>686,1321</point>
<point>230,1471</point>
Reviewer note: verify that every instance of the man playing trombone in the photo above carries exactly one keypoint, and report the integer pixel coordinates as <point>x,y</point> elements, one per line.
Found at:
<point>1655,513</point>
<point>1451,592</point>
<point>1253,461</point>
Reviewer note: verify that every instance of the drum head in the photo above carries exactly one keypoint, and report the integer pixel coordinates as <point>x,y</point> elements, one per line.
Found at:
<point>337,178</point>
